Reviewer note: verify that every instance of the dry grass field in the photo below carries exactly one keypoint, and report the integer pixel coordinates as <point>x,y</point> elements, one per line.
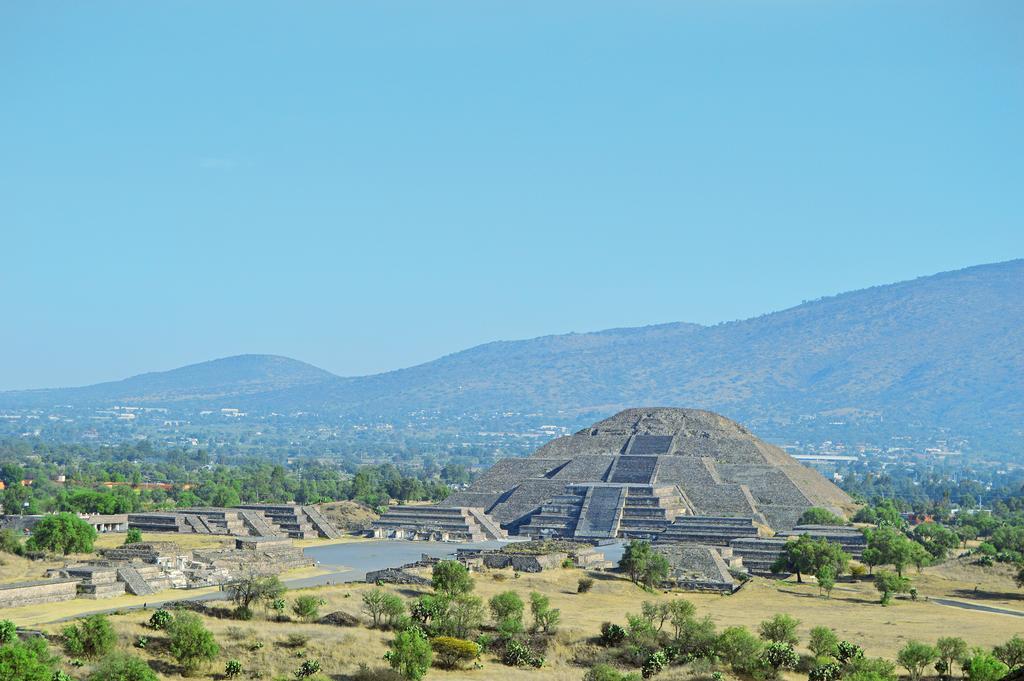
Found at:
<point>853,611</point>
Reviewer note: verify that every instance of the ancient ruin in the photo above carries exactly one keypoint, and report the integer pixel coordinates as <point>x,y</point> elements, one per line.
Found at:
<point>294,521</point>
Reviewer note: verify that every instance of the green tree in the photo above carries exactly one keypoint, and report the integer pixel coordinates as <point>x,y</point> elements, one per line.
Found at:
<point>92,637</point>
<point>123,667</point>
<point>451,578</point>
<point>816,515</point>
<point>915,657</point>
<point>823,642</point>
<point>62,533</point>
<point>26,661</point>
<point>646,567</point>
<point>463,616</point>
<point>133,536</point>
<point>806,556</point>
<point>410,654</point>
<point>680,613</point>
<point>826,576</point>
<point>252,588</point>
<point>1011,653</point>
<point>890,547</point>
<point>780,629</point>
<point>951,649</point>
<point>191,643</point>
<point>889,583</point>
<point>10,542</point>
<point>374,603</point>
<point>545,618</point>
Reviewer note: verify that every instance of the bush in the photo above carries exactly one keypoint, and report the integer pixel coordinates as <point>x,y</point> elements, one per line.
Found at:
<point>506,606</point>
<point>584,585</point>
<point>823,642</point>
<point>191,643</point>
<point>295,641</point>
<point>830,671</point>
<point>612,635</point>
<point>857,570</point>
<point>778,656</point>
<point>410,654</point>
<point>26,660</point>
<point>606,672</point>
<point>451,652</point>
<point>1011,653</point>
<point>94,637</point>
<point>984,666</point>
<point>545,618</point>
<point>915,657</point>
<point>133,536</point>
<point>8,632</point>
<point>847,652</point>
<point>739,648</point>
<point>10,542</point>
<point>780,629</point>
<point>517,655</point>
<point>820,516</point>
<point>62,533</point>
<point>159,619</point>
<point>307,607</point>
<point>122,667</point>
<point>451,578</point>
<point>654,664</point>
<point>646,567</point>
<point>307,669</point>
<point>232,669</point>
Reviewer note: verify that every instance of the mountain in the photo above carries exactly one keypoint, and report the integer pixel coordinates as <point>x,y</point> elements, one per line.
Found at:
<point>940,351</point>
<point>227,378</point>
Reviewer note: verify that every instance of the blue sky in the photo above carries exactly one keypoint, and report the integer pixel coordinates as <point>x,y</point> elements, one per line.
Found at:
<point>366,186</point>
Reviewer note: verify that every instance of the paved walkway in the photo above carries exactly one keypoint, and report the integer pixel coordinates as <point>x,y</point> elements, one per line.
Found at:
<point>977,606</point>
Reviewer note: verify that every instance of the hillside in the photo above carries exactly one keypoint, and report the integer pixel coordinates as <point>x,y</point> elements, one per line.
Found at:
<point>943,350</point>
<point>227,378</point>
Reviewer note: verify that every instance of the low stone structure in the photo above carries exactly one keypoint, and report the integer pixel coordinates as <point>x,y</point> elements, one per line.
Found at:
<point>95,581</point>
<point>697,567</point>
<point>38,591</point>
<point>709,530</point>
<point>259,520</point>
<point>851,539</point>
<point>396,576</point>
<point>435,523</point>
<point>260,555</point>
<point>759,553</point>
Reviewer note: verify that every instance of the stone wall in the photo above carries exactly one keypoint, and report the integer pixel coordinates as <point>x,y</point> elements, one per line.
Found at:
<point>36,592</point>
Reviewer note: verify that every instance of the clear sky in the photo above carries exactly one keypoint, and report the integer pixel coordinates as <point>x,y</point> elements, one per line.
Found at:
<point>370,185</point>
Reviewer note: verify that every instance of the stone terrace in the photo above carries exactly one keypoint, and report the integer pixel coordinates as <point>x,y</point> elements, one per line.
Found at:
<point>712,530</point>
<point>436,523</point>
<point>850,538</point>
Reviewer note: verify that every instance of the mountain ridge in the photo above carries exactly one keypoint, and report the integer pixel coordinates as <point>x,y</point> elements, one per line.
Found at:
<point>945,349</point>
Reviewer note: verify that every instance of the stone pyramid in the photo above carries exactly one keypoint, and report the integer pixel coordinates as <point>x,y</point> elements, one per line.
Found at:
<point>632,474</point>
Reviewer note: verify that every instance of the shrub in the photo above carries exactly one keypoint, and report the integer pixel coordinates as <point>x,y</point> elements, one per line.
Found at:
<point>10,542</point>
<point>857,570</point>
<point>889,583</point>
<point>584,585</point>
<point>307,669</point>
<point>93,637</point>
<point>464,616</point>
<point>847,652</point>
<point>451,578</point>
<point>26,660</point>
<point>820,516</point>
<point>567,563</point>
<point>141,641</point>
<point>739,648</point>
<point>410,654</point>
<point>777,656</point>
<point>830,671</point>
<point>645,566</point>
<point>451,652</point>
<point>606,672</point>
<point>915,657</point>
<point>612,635</point>
<point>780,629</point>
<point>307,607</point>
<point>823,642</point>
<point>506,606</point>
<point>295,641</point>
<point>232,669</point>
<point>122,667</point>
<point>654,664</point>
<point>545,618</point>
<point>191,643</point>
<point>133,536</point>
<point>983,666</point>
<point>517,655</point>
<point>8,632</point>
<point>159,619</point>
